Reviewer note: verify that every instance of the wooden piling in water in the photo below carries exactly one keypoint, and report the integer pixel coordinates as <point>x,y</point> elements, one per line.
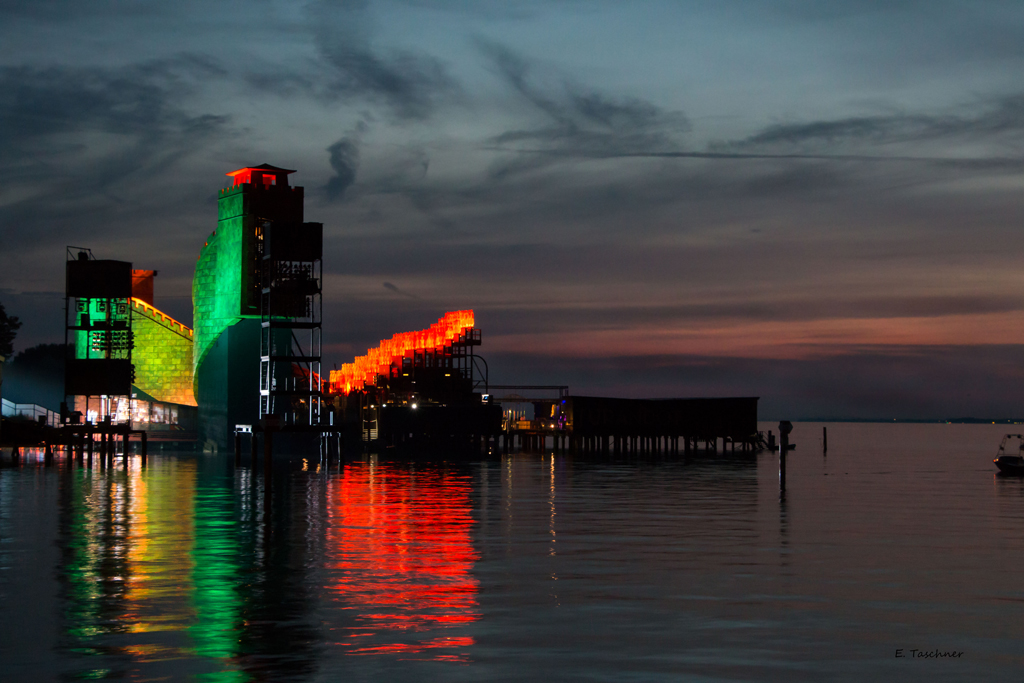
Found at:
<point>785,428</point>
<point>268,455</point>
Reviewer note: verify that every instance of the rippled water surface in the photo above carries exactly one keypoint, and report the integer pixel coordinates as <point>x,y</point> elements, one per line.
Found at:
<point>523,567</point>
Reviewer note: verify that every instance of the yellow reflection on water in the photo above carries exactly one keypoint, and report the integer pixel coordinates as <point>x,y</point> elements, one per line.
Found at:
<point>143,555</point>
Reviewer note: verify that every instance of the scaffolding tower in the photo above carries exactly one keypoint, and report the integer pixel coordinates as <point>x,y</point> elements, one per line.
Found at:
<point>291,314</point>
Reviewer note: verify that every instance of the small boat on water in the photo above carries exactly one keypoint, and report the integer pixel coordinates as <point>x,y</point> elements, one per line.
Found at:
<point>1012,462</point>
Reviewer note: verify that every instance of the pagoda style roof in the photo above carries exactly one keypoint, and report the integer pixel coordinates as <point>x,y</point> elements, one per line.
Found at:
<point>273,170</point>
<point>245,175</point>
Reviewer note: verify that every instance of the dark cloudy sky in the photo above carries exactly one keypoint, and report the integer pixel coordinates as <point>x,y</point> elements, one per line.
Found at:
<point>818,203</point>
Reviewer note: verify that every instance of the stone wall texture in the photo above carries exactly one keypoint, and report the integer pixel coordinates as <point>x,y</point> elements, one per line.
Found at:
<point>162,355</point>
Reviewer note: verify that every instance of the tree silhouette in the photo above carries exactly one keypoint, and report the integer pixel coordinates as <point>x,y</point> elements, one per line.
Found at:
<point>9,325</point>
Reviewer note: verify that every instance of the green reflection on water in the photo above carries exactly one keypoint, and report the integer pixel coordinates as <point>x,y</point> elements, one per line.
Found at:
<point>148,553</point>
<point>215,579</point>
<point>81,567</point>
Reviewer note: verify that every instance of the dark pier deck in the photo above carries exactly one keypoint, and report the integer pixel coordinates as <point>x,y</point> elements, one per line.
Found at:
<point>591,424</point>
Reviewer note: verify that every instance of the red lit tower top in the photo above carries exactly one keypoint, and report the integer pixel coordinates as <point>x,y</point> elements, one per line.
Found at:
<point>264,174</point>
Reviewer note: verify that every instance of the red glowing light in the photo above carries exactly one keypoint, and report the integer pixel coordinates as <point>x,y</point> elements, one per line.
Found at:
<point>400,552</point>
<point>264,174</point>
<point>364,370</point>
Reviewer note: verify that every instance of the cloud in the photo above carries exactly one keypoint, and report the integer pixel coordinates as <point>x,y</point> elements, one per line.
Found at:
<point>812,160</point>
<point>396,290</point>
<point>134,99</point>
<point>576,120</point>
<point>53,120</point>
<point>58,11</point>
<point>344,159</point>
<point>1000,119</point>
<point>409,84</point>
<point>581,124</point>
<point>90,153</point>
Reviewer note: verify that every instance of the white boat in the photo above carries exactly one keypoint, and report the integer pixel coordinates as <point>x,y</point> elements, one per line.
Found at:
<point>1011,462</point>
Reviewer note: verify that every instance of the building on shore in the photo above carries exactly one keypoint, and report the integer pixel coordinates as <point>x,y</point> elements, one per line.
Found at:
<point>227,293</point>
<point>253,357</point>
<point>130,360</point>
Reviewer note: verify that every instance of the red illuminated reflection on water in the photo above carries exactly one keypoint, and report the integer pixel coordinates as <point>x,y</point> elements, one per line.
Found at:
<point>400,553</point>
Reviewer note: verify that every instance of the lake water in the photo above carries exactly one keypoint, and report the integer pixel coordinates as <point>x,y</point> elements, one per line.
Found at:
<point>524,567</point>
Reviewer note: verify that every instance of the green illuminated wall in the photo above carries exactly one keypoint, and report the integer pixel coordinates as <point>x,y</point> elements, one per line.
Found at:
<point>162,347</point>
<point>225,293</point>
<point>162,355</point>
<point>219,281</point>
<point>225,287</point>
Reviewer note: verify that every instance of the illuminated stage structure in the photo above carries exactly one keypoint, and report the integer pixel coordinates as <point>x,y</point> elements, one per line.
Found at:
<point>256,290</point>
<point>256,282</point>
<point>420,389</point>
<point>253,361</point>
<point>129,365</point>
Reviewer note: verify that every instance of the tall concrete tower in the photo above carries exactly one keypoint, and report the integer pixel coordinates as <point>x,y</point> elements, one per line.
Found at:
<point>226,295</point>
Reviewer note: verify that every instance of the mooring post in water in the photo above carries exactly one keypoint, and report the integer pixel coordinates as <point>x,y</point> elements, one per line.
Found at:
<point>48,454</point>
<point>238,449</point>
<point>268,468</point>
<point>103,441</point>
<point>782,468</point>
<point>144,448</point>
<point>268,454</point>
<point>824,440</point>
<point>785,427</point>
<point>15,454</point>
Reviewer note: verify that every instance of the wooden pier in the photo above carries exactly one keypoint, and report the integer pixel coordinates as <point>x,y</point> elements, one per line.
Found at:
<point>590,424</point>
